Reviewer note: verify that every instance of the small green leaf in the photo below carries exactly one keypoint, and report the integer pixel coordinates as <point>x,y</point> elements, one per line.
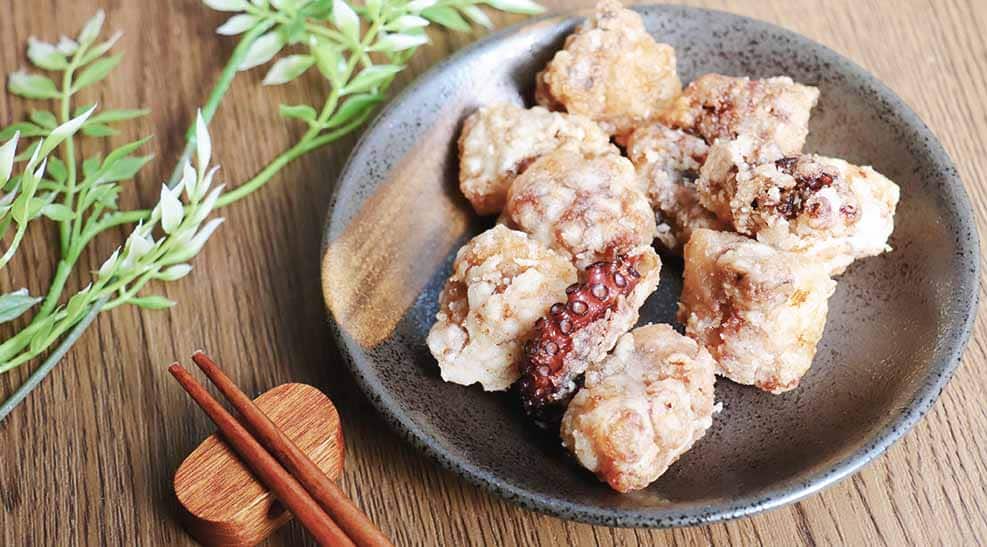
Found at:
<point>174,273</point>
<point>110,116</point>
<point>100,49</point>
<point>288,68</point>
<point>477,15</point>
<point>44,119</point>
<point>124,169</point>
<point>263,50</point>
<point>38,205</point>
<point>78,302</point>
<point>63,132</point>
<point>124,150</point>
<point>43,331</point>
<point>92,28</point>
<point>98,130</point>
<point>527,7</point>
<point>57,170</point>
<point>45,55</point>
<point>7,152</point>
<point>401,42</point>
<point>317,9</point>
<point>26,129</point>
<point>294,31</point>
<point>203,143</point>
<point>171,209</point>
<point>416,6</point>
<point>328,59</point>
<point>226,5</point>
<point>373,8</point>
<point>82,109</point>
<point>13,305</point>
<point>32,86</point>
<point>352,108</point>
<point>67,46</point>
<point>91,165</point>
<point>302,112</point>
<point>237,24</point>
<point>345,19</point>
<point>152,302</point>
<point>408,22</point>
<point>57,212</point>
<point>446,17</point>
<point>370,77</point>
<point>97,71</point>
<point>28,153</point>
<point>104,194</point>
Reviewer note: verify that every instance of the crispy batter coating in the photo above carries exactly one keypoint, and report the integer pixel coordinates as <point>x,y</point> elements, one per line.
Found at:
<point>588,208</point>
<point>728,163</point>
<point>759,311</point>
<point>668,162</point>
<point>499,141</point>
<point>641,408</point>
<point>502,282</point>
<point>774,110</point>
<point>824,207</point>
<point>612,71</point>
<point>582,329</point>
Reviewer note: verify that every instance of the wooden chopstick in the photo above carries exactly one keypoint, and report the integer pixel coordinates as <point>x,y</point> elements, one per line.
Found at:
<point>328,495</point>
<point>268,470</point>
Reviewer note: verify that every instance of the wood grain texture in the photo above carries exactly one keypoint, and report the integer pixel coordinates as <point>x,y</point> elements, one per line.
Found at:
<point>225,504</point>
<point>88,459</point>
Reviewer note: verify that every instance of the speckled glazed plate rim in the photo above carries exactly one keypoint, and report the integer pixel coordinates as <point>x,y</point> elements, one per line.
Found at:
<point>941,368</point>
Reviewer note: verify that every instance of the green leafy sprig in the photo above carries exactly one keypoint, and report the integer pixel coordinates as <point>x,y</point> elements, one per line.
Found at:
<point>48,180</point>
<point>356,49</point>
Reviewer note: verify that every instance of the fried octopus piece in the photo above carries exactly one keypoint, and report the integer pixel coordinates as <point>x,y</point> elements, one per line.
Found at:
<point>824,207</point>
<point>499,141</point>
<point>668,162</point>
<point>729,163</point>
<point>641,408</point>
<point>759,311</point>
<point>587,208</point>
<point>775,110</point>
<point>612,71</point>
<point>502,282</point>
<point>580,331</point>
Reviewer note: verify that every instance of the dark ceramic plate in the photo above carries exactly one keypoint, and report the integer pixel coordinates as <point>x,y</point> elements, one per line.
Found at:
<point>897,323</point>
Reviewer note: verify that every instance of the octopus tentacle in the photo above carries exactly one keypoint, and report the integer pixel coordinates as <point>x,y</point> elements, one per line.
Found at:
<point>549,368</point>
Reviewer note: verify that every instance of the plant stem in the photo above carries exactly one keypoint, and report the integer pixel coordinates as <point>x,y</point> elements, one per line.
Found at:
<point>217,94</point>
<point>62,272</point>
<point>38,375</point>
<point>65,226</point>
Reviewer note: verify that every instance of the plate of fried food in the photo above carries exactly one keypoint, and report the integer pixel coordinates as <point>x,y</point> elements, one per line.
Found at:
<point>650,267</point>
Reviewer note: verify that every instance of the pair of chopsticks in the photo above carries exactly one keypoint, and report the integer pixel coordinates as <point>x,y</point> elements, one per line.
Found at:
<point>316,501</point>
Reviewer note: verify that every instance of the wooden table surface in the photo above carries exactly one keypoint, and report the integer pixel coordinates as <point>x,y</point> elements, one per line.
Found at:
<point>88,459</point>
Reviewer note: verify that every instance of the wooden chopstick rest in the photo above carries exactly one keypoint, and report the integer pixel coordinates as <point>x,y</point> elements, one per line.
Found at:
<point>356,525</point>
<point>223,503</point>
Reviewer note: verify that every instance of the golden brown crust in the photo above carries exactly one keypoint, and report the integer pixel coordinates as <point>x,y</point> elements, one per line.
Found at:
<point>502,282</point>
<point>612,71</point>
<point>825,208</point>
<point>759,311</point>
<point>498,142</point>
<point>587,208</point>
<point>641,408</point>
<point>668,162</point>
<point>774,110</point>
